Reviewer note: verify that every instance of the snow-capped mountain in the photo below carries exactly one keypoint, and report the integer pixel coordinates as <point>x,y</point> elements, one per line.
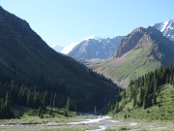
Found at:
<point>67,49</point>
<point>58,48</point>
<point>95,48</point>
<point>167,28</point>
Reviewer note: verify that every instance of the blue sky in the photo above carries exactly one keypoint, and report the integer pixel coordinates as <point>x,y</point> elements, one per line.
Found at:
<point>65,21</point>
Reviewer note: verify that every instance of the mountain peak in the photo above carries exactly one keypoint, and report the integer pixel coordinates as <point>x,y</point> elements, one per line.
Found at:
<point>167,25</point>
<point>92,37</point>
<point>136,38</point>
<point>139,29</point>
<point>167,28</point>
<point>148,30</point>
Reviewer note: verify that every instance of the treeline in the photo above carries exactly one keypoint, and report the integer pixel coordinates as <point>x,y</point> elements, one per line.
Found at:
<point>143,92</point>
<point>13,94</point>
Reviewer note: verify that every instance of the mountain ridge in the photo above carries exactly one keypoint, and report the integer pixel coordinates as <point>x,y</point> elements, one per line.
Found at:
<point>101,48</point>
<point>81,51</point>
<point>141,51</point>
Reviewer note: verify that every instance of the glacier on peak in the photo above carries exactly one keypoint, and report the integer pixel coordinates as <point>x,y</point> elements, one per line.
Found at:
<point>167,28</point>
<point>164,25</point>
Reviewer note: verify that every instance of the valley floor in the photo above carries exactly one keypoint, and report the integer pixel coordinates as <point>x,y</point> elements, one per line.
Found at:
<point>84,123</point>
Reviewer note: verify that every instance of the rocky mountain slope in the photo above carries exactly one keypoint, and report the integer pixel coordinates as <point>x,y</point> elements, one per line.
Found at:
<point>95,48</point>
<point>141,51</point>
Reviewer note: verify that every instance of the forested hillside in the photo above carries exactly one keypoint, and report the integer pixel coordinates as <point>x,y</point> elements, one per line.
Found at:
<point>34,75</point>
<point>149,97</point>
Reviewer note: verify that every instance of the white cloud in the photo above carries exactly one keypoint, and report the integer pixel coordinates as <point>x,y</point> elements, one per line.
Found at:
<point>92,37</point>
<point>69,47</point>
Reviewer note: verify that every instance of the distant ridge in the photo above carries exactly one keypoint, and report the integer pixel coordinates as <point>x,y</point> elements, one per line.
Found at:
<point>95,48</point>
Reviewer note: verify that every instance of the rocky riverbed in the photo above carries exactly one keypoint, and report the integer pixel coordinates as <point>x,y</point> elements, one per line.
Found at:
<point>88,123</point>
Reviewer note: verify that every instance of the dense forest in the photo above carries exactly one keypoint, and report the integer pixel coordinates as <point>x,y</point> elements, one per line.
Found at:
<point>14,94</point>
<point>38,93</point>
<point>150,96</point>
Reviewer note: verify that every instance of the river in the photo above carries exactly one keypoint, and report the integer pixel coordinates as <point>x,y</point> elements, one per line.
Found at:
<point>86,123</point>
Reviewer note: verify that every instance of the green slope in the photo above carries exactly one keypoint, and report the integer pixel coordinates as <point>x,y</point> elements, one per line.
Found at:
<point>130,66</point>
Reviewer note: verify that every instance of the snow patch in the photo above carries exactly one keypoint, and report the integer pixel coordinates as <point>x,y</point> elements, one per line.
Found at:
<point>164,26</point>
<point>92,37</point>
